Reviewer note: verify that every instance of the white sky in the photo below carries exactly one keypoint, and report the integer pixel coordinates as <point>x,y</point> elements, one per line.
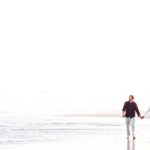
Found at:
<point>74,56</point>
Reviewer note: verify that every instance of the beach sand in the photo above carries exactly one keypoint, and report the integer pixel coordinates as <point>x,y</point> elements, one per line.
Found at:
<point>44,132</point>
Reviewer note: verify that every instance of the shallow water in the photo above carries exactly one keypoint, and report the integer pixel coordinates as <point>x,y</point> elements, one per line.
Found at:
<point>47,132</point>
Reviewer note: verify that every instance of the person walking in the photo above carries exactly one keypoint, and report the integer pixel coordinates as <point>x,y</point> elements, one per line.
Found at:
<point>128,111</point>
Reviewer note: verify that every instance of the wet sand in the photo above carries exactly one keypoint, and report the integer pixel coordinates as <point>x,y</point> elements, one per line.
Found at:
<point>45,132</point>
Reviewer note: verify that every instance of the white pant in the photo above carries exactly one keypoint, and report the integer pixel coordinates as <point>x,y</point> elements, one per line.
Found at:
<point>132,121</point>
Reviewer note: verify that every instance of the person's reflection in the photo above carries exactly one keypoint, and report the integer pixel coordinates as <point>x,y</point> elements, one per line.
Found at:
<point>133,145</point>
<point>129,145</point>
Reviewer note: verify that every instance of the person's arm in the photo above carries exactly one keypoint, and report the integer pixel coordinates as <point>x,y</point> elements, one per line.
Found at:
<point>123,110</point>
<point>138,112</point>
<point>123,113</point>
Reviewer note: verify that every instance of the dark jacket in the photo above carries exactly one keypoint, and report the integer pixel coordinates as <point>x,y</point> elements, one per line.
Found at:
<point>130,108</point>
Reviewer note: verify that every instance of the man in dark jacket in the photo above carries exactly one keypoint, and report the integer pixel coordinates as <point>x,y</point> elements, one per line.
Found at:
<point>128,111</point>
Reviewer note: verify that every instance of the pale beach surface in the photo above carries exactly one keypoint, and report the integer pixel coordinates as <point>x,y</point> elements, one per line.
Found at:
<point>45,132</point>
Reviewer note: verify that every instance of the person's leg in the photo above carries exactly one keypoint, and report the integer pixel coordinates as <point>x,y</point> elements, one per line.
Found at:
<point>127,125</point>
<point>133,127</point>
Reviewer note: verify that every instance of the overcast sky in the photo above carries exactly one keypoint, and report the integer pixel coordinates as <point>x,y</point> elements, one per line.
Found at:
<point>74,55</point>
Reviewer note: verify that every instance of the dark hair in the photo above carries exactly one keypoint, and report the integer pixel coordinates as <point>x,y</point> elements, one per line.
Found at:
<point>131,96</point>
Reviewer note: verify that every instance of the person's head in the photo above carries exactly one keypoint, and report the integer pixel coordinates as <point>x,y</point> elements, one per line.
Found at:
<point>131,97</point>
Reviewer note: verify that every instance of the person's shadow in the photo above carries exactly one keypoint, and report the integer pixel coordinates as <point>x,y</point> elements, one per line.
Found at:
<point>129,145</point>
